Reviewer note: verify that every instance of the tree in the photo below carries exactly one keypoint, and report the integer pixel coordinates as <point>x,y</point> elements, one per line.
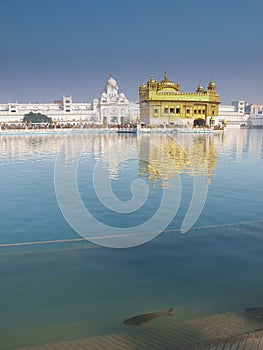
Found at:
<point>36,118</point>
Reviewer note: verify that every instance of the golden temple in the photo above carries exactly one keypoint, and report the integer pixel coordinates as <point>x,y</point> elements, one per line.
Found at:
<point>163,103</point>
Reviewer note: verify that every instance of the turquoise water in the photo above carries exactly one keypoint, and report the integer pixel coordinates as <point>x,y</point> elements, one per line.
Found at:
<point>216,266</point>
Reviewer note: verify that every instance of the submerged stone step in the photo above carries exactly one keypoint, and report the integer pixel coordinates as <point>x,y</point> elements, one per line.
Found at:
<point>222,331</point>
<point>252,341</point>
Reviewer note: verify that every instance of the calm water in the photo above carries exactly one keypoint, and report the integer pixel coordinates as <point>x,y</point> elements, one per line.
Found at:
<point>216,266</point>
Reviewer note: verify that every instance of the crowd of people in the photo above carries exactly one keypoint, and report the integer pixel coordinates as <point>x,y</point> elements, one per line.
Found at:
<point>41,126</point>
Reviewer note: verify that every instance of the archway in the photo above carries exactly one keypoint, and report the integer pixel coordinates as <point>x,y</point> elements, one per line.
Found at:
<point>105,121</point>
<point>199,122</point>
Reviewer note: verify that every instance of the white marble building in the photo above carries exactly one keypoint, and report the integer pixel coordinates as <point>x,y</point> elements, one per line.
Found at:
<point>111,107</point>
<point>234,114</point>
<point>254,109</point>
<point>255,119</point>
<point>242,114</point>
<point>114,107</point>
<point>64,110</point>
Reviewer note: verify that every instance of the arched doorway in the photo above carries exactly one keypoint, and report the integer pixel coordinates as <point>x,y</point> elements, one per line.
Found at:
<point>105,121</point>
<point>199,122</point>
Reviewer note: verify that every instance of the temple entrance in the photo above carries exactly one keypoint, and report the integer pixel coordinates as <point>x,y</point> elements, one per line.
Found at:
<point>199,122</point>
<point>105,121</point>
<point>114,120</point>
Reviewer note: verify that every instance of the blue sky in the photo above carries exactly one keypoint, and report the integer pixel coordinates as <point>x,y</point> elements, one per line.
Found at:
<point>51,48</point>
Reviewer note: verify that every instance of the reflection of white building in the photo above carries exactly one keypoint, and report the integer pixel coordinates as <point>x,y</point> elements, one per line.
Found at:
<point>111,107</point>
<point>240,142</point>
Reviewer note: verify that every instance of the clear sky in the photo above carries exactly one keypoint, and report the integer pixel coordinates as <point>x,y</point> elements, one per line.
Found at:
<point>51,48</point>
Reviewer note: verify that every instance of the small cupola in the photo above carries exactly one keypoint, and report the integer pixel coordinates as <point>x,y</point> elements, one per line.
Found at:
<point>211,86</point>
<point>200,88</point>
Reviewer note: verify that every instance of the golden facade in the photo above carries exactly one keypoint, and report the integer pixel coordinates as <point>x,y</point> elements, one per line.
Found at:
<point>163,103</point>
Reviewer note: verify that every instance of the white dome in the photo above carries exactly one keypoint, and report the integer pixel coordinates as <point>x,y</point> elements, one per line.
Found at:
<point>122,95</point>
<point>112,82</point>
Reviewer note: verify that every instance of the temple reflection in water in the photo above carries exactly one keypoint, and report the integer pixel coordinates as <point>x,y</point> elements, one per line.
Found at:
<point>161,155</point>
<point>169,156</point>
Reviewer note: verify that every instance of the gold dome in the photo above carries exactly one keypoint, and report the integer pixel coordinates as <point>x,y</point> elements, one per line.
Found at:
<point>167,83</point>
<point>143,86</point>
<point>212,86</point>
<point>200,88</point>
<point>152,80</point>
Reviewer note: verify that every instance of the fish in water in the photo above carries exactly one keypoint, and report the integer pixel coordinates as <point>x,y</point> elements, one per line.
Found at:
<point>256,311</point>
<point>144,318</point>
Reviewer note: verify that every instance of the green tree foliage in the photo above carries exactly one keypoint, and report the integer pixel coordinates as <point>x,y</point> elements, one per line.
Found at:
<point>36,118</point>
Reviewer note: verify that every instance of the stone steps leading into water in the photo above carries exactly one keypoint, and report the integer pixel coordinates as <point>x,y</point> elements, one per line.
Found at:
<point>226,331</point>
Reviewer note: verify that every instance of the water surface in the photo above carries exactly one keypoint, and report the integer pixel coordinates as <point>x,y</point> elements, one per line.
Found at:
<point>217,266</point>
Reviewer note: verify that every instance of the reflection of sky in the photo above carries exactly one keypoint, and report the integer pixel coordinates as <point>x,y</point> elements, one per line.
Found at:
<point>27,181</point>
<point>50,48</point>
